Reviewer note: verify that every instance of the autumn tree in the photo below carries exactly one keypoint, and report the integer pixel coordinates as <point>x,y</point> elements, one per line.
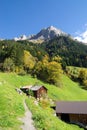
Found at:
<point>29,61</point>
<point>54,72</point>
<point>83,77</point>
<point>49,71</point>
<point>8,65</point>
<point>57,59</point>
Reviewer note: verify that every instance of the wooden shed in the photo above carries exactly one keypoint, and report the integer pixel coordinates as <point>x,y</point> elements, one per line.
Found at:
<point>25,89</point>
<point>73,112</point>
<point>39,91</point>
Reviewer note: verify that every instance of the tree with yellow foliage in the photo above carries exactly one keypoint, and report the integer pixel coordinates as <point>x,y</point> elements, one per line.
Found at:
<point>29,61</point>
<point>54,72</point>
<point>83,77</point>
<point>49,71</point>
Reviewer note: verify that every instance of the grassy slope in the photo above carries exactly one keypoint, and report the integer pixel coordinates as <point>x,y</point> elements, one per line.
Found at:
<point>11,103</point>
<point>69,91</point>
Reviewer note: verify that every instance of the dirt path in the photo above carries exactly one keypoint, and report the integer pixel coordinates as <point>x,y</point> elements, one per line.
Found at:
<point>27,120</point>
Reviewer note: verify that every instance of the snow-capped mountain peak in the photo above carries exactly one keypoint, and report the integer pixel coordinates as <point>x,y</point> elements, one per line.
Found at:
<point>45,34</point>
<point>48,33</point>
<point>52,28</point>
<point>57,31</point>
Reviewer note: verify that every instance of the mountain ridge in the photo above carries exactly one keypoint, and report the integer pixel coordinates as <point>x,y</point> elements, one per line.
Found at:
<point>48,33</point>
<point>44,34</point>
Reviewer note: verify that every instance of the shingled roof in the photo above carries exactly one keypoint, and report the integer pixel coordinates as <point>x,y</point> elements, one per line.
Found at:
<point>71,107</point>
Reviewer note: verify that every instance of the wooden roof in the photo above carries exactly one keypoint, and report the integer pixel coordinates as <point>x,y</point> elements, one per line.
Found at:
<point>35,88</point>
<point>71,107</point>
<point>26,87</point>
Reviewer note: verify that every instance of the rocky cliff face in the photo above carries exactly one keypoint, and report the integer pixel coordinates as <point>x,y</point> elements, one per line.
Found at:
<point>48,33</point>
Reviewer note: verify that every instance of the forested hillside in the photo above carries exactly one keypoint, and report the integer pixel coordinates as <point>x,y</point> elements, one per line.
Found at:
<point>73,53</point>
<point>45,61</point>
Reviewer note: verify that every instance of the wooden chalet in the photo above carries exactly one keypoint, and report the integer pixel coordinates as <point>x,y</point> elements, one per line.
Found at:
<point>73,112</point>
<point>39,91</point>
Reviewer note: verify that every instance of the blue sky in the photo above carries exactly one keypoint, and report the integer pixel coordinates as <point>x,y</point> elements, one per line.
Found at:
<point>27,17</point>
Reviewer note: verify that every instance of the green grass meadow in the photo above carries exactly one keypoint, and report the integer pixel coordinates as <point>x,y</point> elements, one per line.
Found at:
<point>11,103</point>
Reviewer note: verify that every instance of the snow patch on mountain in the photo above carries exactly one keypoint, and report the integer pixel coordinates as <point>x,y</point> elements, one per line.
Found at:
<point>22,37</point>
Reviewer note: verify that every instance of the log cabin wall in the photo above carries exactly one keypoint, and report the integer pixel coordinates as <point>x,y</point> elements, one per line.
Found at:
<point>75,118</point>
<point>42,91</point>
<point>78,118</point>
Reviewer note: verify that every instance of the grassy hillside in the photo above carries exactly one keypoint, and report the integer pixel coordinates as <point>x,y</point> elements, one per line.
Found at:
<point>69,91</point>
<point>11,103</point>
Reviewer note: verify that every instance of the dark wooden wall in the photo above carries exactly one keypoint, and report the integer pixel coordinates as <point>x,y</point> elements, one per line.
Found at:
<point>81,118</point>
<point>41,92</point>
<point>75,118</point>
